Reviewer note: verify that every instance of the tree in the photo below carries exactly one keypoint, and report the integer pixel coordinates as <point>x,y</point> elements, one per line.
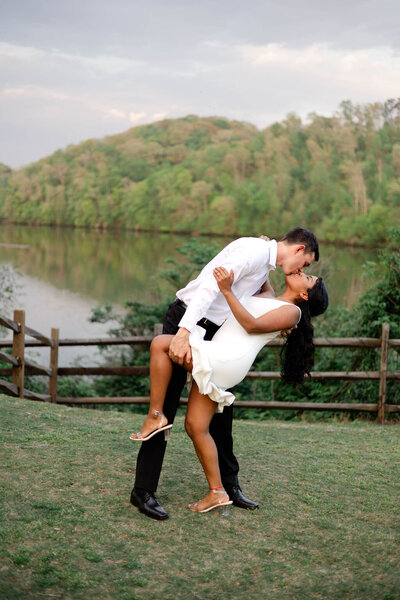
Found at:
<point>182,174</point>
<point>200,192</point>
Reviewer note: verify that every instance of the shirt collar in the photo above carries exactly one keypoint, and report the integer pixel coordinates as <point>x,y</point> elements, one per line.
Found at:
<point>273,250</point>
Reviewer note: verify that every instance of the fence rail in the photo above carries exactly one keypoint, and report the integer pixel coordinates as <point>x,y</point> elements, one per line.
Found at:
<point>144,340</point>
<point>21,367</point>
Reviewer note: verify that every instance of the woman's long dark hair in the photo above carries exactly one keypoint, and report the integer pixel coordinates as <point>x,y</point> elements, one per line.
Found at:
<point>298,351</point>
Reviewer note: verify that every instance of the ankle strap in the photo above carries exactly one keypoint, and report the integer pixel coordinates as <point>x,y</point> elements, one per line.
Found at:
<point>219,490</point>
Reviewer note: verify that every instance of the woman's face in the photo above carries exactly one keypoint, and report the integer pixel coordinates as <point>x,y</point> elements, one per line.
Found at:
<point>300,283</point>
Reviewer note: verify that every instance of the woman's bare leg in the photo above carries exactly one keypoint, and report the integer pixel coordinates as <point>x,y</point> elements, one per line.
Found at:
<point>200,411</point>
<point>160,375</point>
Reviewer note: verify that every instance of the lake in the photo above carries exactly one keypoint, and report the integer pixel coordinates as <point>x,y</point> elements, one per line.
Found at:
<point>65,272</point>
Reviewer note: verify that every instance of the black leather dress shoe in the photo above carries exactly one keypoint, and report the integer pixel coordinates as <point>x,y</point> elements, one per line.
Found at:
<point>235,494</point>
<point>148,504</point>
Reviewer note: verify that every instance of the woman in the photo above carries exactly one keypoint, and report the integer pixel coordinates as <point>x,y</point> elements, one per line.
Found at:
<point>224,361</point>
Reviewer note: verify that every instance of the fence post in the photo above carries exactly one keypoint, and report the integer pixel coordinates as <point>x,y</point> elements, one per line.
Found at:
<point>18,351</point>
<point>383,373</point>
<point>54,366</point>
<point>158,329</point>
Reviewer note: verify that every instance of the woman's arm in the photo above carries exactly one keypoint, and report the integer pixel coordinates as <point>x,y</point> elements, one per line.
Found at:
<point>284,317</point>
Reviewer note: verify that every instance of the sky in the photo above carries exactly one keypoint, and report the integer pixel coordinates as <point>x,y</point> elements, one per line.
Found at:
<point>83,69</point>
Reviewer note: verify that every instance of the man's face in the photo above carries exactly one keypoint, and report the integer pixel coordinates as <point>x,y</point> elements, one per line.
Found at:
<point>297,260</point>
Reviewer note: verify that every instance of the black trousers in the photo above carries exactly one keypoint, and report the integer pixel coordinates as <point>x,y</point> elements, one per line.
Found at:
<point>151,453</point>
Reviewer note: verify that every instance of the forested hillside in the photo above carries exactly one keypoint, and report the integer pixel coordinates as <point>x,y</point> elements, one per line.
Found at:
<point>340,176</point>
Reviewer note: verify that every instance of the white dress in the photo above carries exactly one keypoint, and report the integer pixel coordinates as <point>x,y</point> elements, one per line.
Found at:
<point>224,361</point>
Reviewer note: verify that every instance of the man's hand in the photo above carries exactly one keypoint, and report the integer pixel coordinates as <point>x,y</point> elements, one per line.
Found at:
<point>179,348</point>
<point>264,237</point>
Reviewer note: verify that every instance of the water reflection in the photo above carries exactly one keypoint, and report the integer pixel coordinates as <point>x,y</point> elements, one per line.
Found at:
<point>107,267</point>
<point>116,266</point>
<point>66,271</point>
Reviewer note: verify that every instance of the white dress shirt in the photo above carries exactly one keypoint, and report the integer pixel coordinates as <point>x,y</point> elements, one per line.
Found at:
<point>251,260</point>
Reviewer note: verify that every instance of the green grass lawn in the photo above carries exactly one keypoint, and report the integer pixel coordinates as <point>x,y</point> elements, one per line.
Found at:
<point>328,526</point>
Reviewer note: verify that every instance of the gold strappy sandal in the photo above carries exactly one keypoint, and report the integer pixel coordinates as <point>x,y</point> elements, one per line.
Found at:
<point>137,437</point>
<point>221,503</point>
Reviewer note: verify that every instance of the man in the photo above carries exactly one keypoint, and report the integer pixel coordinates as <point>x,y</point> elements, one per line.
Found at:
<point>251,260</point>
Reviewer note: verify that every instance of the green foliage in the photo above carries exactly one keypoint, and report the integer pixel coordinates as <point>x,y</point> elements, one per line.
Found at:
<point>197,255</point>
<point>74,387</point>
<point>5,170</point>
<point>222,123</point>
<point>139,318</point>
<point>5,173</point>
<point>340,176</point>
<point>379,304</point>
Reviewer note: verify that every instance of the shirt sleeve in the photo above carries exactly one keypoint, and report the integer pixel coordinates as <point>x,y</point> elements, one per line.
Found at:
<point>198,307</point>
<point>208,289</point>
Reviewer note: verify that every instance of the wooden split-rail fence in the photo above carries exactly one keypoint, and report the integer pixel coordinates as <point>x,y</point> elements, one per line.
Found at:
<point>20,367</point>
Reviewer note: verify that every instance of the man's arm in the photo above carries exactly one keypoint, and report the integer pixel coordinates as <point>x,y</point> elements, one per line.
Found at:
<point>237,261</point>
<point>207,292</point>
<point>199,305</point>
<point>179,348</point>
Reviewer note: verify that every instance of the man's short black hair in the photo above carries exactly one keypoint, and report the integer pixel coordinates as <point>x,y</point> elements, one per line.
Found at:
<point>301,235</point>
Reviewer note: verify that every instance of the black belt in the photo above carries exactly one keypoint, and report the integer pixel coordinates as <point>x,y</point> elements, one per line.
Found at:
<point>181,303</point>
<point>203,322</point>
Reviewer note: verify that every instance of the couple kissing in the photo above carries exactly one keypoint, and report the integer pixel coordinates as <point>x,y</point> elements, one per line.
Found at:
<point>213,331</point>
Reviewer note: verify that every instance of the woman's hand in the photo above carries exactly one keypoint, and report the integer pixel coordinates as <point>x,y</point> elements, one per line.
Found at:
<point>286,332</point>
<point>224,279</point>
